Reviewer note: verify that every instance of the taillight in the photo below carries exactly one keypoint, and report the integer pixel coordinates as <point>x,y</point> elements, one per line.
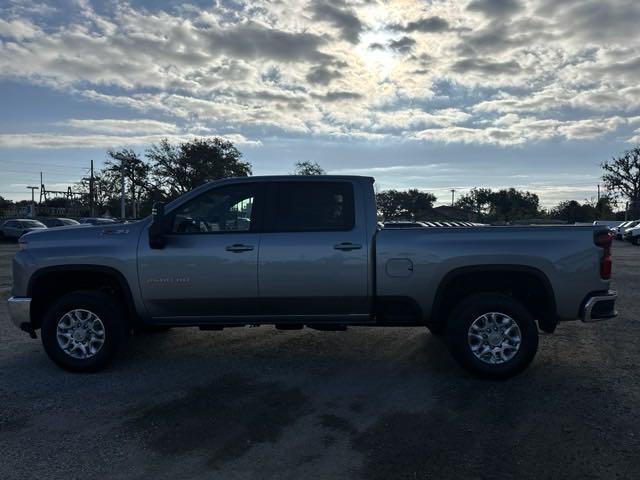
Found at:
<point>604,241</point>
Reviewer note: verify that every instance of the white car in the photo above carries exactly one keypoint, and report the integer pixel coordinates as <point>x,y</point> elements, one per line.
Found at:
<point>633,235</point>
<point>623,229</point>
<point>619,230</point>
<point>612,224</point>
<point>14,229</point>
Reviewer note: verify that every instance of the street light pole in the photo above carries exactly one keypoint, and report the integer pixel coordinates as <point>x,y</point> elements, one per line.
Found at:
<point>33,200</point>
<point>123,213</point>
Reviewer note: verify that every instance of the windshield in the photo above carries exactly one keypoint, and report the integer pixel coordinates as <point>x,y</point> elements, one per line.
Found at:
<point>32,224</point>
<point>69,221</point>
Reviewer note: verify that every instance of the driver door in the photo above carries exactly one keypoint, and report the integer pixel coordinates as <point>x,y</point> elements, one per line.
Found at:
<point>209,266</point>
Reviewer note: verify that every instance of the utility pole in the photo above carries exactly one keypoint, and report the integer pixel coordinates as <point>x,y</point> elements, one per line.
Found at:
<point>598,192</point>
<point>123,213</point>
<point>453,193</point>
<point>133,192</point>
<point>33,200</point>
<point>41,188</point>
<point>91,192</point>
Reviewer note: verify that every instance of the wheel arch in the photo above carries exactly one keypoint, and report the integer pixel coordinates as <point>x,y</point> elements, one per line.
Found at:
<point>515,280</point>
<point>48,283</point>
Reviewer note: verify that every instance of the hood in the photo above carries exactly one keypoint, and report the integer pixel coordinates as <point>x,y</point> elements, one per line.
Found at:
<point>81,235</point>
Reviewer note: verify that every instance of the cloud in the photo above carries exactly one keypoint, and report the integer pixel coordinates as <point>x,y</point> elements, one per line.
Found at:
<point>433,24</point>
<point>251,40</point>
<point>53,141</point>
<point>485,66</point>
<point>515,130</point>
<point>496,8</point>
<point>18,29</point>
<point>322,75</point>
<point>121,127</point>
<point>488,72</point>
<point>337,14</point>
<point>402,45</point>
<point>337,96</point>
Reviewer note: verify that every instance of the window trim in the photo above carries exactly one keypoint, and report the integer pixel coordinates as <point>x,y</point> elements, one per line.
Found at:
<point>270,215</point>
<point>257,211</point>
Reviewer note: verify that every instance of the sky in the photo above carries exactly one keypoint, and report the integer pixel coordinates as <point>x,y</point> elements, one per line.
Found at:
<point>435,95</point>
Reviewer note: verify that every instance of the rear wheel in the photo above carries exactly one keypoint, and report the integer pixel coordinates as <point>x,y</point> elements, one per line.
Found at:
<point>492,335</point>
<point>82,331</point>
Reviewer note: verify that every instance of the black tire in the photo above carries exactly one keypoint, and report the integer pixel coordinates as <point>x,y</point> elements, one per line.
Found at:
<point>474,307</point>
<point>110,313</point>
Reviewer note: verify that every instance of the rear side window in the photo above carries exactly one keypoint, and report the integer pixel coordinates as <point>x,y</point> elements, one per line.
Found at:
<point>312,207</point>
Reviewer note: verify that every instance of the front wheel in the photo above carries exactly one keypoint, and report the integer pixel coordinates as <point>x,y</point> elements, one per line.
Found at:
<point>492,335</point>
<point>82,331</point>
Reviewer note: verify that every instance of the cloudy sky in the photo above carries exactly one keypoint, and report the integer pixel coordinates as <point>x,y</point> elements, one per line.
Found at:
<point>435,94</point>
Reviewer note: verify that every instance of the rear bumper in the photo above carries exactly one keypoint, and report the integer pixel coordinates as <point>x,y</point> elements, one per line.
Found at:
<point>20,312</point>
<point>599,306</point>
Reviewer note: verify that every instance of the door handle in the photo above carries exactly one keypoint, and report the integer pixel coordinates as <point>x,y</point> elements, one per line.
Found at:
<point>347,246</point>
<point>238,247</point>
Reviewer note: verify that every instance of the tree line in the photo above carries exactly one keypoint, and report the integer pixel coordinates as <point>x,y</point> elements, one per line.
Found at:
<point>165,171</point>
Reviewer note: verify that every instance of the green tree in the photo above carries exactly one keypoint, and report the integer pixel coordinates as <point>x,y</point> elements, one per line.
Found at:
<point>308,168</point>
<point>397,204</point>
<point>604,207</point>
<point>572,211</point>
<point>478,200</point>
<point>137,180</point>
<point>622,176</point>
<point>4,203</point>
<point>180,168</point>
<point>511,204</point>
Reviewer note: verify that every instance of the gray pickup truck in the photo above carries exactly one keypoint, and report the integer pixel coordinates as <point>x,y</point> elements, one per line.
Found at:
<point>297,251</point>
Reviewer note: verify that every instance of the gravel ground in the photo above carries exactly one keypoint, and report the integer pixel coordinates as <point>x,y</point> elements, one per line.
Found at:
<point>374,403</point>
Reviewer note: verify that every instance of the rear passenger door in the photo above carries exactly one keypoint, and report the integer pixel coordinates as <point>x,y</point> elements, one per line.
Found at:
<point>313,252</point>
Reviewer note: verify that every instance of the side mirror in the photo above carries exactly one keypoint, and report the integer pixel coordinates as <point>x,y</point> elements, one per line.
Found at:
<point>159,226</point>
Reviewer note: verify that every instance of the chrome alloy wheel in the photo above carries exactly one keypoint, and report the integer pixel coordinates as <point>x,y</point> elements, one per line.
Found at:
<point>494,338</point>
<point>80,333</point>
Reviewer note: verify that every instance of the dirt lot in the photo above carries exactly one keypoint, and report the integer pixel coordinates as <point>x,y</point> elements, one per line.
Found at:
<point>367,403</point>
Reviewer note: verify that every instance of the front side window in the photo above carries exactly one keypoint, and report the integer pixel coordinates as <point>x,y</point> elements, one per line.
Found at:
<point>223,209</point>
<point>312,207</point>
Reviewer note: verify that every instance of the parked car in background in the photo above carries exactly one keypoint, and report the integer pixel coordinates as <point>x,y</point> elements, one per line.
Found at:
<point>98,221</point>
<point>617,230</point>
<point>612,224</point>
<point>14,229</point>
<point>633,235</point>
<point>620,231</point>
<point>53,222</point>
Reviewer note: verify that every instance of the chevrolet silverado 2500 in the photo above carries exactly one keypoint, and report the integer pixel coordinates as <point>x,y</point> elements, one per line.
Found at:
<point>297,251</point>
